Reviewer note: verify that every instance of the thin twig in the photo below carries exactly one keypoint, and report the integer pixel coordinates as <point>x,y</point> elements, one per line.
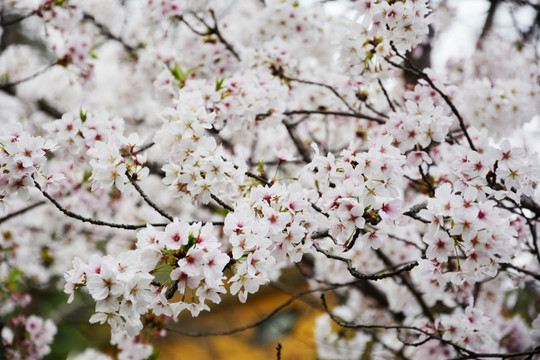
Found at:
<point>504,266</point>
<point>222,203</point>
<point>211,30</point>
<point>30,77</point>
<point>21,211</point>
<point>215,30</point>
<point>147,199</point>
<point>256,323</point>
<point>258,178</point>
<point>386,95</point>
<point>105,31</point>
<point>388,327</point>
<point>426,180</point>
<point>409,285</point>
<point>336,113</point>
<point>411,68</point>
<point>73,215</point>
<point>139,150</point>
<point>6,23</point>
<point>299,146</point>
<point>280,74</point>
<point>195,31</point>
<point>359,275</point>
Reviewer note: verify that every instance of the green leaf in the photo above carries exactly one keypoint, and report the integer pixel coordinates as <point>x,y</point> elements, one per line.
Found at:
<point>221,211</point>
<point>92,53</point>
<point>86,176</point>
<point>219,83</point>
<point>83,115</point>
<point>178,73</point>
<point>154,355</point>
<point>189,245</point>
<point>191,71</point>
<point>14,279</point>
<point>260,167</point>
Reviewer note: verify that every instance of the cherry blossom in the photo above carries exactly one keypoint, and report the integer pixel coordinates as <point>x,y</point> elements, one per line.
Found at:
<point>158,157</point>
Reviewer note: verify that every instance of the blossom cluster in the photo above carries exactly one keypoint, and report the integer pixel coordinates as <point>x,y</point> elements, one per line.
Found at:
<point>22,160</point>
<point>268,229</point>
<point>424,121</point>
<point>186,258</point>
<point>413,207</point>
<point>359,189</point>
<point>196,166</point>
<point>28,338</point>
<point>377,26</point>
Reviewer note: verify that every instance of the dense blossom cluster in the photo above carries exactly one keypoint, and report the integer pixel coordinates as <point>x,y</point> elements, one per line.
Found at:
<point>157,157</point>
<point>28,337</point>
<point>22,161</point>
<point>377,26</point>
<point>197,165</point>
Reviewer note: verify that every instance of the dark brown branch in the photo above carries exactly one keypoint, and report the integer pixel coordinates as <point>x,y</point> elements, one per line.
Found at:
<point>16,20</point>
<point>278,351</point>
<point>21,211</point>
<point>48,109</point>
<point>505,266</point>
<point>386,96</point>
<point>256,323</point>
<point>285,77</point>
<point>73,215</point>
<point>411,68</point>
<point>414,210</point>
<point>258,178</point>
<point>42,105</point>
<point>489,19</point>
<point>222,203</point>
<point>105,31</point>
<point>299,146</point>
<point>532,228</point>
<point>407,282</point>
<point>359,275</point>
<point>336,113</point>
<point>215,30</point>
<point>426,181</point>
<point>531,205</point>
<point>30,77</point>
<point>474,355</point>
<point>147,199</point>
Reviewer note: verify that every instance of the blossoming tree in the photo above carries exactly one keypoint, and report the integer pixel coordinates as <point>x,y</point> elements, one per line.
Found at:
<point>161,154</point>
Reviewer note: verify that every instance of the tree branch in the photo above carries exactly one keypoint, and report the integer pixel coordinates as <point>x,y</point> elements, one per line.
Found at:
<point>359,275</point>
<point>299,146</point>
<point>256,323</point>
<point>336,113</point>
<point>105,31</point>
<point>30,77</point>
<point>73,215</point>
<point>222,203</point>
<point>147,199</point>
<point>421,74</point>
<point>21,211</point>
